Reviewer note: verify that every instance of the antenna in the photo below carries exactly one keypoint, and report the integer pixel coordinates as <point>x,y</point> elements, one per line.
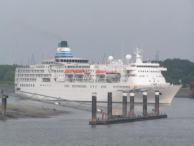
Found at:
<point>22,61</point>
<point>45,51</point>
<point>14,55</point>
<point>2,61</point>
<point>122,51</point>
<point>157,56</point>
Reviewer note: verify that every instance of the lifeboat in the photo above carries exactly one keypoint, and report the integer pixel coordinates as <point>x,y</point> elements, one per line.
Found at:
<point>79,72</point>
<point>69,72</point>
<point>87,73</point>
<point>112,74</point>
<point>100,72</point>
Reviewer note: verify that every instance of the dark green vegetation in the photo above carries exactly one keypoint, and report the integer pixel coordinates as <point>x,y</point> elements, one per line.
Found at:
<point>7,74</point>
<point>178,69</point>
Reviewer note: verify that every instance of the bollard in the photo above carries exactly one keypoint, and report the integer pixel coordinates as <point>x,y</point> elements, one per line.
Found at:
<point>109,105</point>
<point>144,103</point>
<point>93,107</point>
<point>156,103</point>
<point>131,105</point>
<point>4,104</point>
<point>124,104</point>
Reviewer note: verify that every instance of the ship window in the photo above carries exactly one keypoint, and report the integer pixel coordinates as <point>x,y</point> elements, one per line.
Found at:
<point>75,60</point>
<point>72,60</point>
<point>61,60</point>
<point>103,86</point>
<point>79,86</point>
<point>66,86</point>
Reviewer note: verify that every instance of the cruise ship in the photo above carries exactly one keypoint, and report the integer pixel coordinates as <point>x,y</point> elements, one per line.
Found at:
<point>69,78</point>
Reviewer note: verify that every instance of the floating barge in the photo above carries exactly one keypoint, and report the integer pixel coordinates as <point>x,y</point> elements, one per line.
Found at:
<point>125,120</point>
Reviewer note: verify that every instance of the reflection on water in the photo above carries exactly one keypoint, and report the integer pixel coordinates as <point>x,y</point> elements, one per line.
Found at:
<point>74,128</point>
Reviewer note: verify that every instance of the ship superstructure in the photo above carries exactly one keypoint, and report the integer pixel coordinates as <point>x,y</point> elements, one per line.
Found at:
<point>70,78</point>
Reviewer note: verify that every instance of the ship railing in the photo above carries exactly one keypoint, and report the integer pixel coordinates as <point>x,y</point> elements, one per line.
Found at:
<point>104,116</point>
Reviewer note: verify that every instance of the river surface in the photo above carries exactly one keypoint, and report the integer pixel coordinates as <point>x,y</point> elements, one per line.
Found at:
<point>73,129</point>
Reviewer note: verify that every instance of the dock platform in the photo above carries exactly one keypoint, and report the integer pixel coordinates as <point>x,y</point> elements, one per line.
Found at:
<point>125,120</point>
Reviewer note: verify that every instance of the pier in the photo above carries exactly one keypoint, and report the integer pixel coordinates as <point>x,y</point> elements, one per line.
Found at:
<point>120,116</point>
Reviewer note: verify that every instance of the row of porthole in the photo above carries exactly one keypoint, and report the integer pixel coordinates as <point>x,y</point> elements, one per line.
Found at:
<point>149,71</point>
<point>44,85</point>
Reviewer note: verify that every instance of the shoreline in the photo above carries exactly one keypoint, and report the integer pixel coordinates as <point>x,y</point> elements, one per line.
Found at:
<point>26,111</point>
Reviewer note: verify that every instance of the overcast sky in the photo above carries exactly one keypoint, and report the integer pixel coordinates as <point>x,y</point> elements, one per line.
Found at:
<point>94,28</point>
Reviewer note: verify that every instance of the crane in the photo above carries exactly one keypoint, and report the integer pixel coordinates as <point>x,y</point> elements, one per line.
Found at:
<point>33,61</point>
<point>103,58</point>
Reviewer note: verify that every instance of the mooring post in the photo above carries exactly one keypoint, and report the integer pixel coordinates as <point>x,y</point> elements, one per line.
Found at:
<point>191,92</point>
<point>124,104</point>
<point>109,105</point>
<point>93,107</point>
<point>144,103</point>
<point>156,102</point>
<point>131,105</point>
<point>4,104</point>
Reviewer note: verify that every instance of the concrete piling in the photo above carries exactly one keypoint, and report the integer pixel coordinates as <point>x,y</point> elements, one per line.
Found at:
<point>131,105</point>
<point>144,103</point>
<point>109,106</point>
<point>93,107</point>
<point>156,102</point>
<point>124,104</point>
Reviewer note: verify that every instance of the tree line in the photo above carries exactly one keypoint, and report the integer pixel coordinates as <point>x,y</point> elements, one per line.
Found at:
<point>177,69</point>
<point>7,72</point>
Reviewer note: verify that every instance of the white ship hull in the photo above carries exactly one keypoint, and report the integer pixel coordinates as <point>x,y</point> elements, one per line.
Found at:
<point>57,90</point>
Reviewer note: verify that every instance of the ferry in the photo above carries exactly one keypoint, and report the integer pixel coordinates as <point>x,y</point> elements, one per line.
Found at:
<point>69,78</point>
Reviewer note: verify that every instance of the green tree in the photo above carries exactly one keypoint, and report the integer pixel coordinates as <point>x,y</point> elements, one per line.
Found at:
<point>9,76</point>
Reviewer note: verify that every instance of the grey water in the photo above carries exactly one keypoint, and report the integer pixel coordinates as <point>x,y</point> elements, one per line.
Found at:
<point>73,129</point>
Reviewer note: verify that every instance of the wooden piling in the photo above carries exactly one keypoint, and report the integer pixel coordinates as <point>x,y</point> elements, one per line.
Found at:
<point>131,105</point>
<point>93,107</point>
<point>4,104</point>
<point>124,104</point>
<point>144,103</point>
<point>109,106</point>
<point>156,103</point>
